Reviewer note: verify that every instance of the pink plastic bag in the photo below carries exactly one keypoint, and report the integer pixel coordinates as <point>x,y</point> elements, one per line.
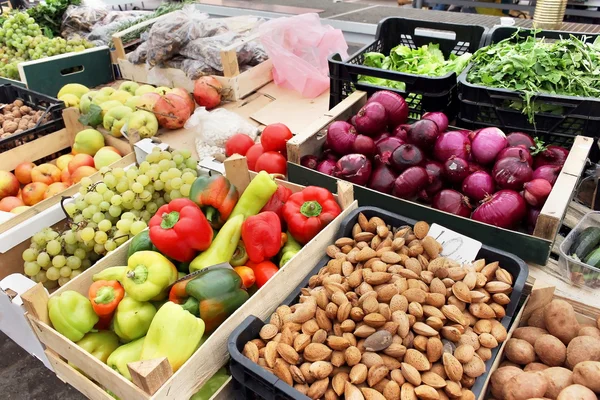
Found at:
<point>299,46</point>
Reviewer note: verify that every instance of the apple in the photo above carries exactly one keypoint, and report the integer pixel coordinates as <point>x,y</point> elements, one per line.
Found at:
<point>107,91</point>
<point>10,202</point>
<point>121,96</point>
<point>162,90</point>
<point>46,173</point>
<point>20,195</point>
<point>88,141</point>
<point>65,177</point>
<point>55,188</point>
<point>99,99</point>
<point>63,161</point>
<point>107,105</point>
<point>86,101</point>
<point>105,157</point>
<point>80,160</point>
<point>130,87</point>
<point>70,100</point>
<point>186,96</point>
<point>133,102</point>
<point>82,172</point>
<point>9,184</point>
<point>75,89</point>
<point>33,193</point>
<point>23,172</point>
<point>148,100</point>
<point>144,89</point>
<point>111,149</point>
<point>115,118</point>
<point>144,122</point>
<point>19,210</point>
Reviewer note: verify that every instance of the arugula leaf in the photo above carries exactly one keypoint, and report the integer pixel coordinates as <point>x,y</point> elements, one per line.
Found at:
<point>93,117</point>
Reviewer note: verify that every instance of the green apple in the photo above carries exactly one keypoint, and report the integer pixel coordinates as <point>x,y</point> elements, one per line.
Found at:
<point>115,118</point>
<point>73,88</point>
<point>88,141</point>
<point>130,87</point>
<point>133,102</point>
<point>144,122</point>
<point>105,157</point>
<point>120,95</point>
<point>86,101</point>
<point>144,89</point>
<point>107,90</point>
<point>162,90</point>
<point>99,98</point>
<point>107,105</point>
<point>69,99</point>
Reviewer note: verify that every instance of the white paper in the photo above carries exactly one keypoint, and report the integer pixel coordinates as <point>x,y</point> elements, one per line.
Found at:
<point>456,246</point>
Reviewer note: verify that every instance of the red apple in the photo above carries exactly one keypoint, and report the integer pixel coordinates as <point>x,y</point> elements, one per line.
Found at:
<point>79,161</point>
<point>20,195</point>
<point>186,96</point>
<point>63,161</point>
<point>55,188</point>
<point>46,173</point>
<point>9,185</point>
<point>82,172</point>
<point>33,193</point>
<point>111,149</point>
<point>65,177</point>
<point>23,172</point>
<point>10,202</point>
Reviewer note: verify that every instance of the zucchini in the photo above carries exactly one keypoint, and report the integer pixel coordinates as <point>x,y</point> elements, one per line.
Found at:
<point>593,258</point>
<point>587,241</point>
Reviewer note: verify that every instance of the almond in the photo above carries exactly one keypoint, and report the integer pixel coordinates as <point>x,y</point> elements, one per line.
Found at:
<point>398,303</point>
<point>288,353</point>
<point>374,320</point>
<point>425,392</point>
<point>332,250</point>
<point>417,360</point>
<point>415,309</point>
<point>317,352</point>
<point>377,278</point>
<point>395,350</point>
<point>318,388</point>
<point>498,287</point>
<point>457,273</point>
<point>435,322</point>
<point>453,313</point>
<point>498,310</point>
<point>498,331</point>
<point>376,374</point>
<point>501,298</point>
<point>451,333</point>
<point>432,379</point>
<point>504,276</point>
<point>321,369</point>
<point>435,349</point>
<point>421,328</point>
<point>271,354</point>
<point>282,371</point>
<point>413,295</point>
<point>453,389</point>
<point>344,311</point>
<point>345,241</point>
<point>370,359</point>
<point>358,374</point>
<point>251,352</point>
<point>462,291</point>
<point>482,310</point>
<point>464,353</point>
<point>411,374</point>
<point>474,368</point>
<point>407,392</point>
<point>435,299</point>
<point>351,392</point>
<point>297,375</point>
<point>386,292</point>
<point>310,327</point>
<point>453,367</point>
<point>268,331</point>
<point>484,353</point>
<point>320,336</point>
<point>365,237</point>
<point>470,280</point>
<point>338,343</point>
<point>305,369</point>
<point>390,257</point>
<point>378,341</point>
<point>352,356</point>
<point>477,297</point>
<point>421,229</point>
<point>366,253</point>
<point>301,341</point>
<point>339,382</point>
<point>391,390</point>
<point>488,341</point>
<point>370,304</point>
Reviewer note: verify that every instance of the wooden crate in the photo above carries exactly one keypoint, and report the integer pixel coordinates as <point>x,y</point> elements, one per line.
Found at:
<point>535,248</point>
<point>237,84</point>
<point>212,355</point>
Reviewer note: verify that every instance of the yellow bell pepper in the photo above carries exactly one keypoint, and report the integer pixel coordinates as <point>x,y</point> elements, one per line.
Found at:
<point>147,276</point>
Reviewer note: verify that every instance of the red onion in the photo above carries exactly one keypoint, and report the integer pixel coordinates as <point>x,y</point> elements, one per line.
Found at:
<point>326,167</point>
<point>452,144</point>
<point>536,192</point>
<point>440,119</point>
<point>364,145</point>
<point>516,151</point>
<point>547,172</point>
<point>406,156</point>
<point>478,185</point>
<point>355,168</point>
<point>328,154</point>
<point>531,219</point>
<point>520,138</point>
<point>423,133</point>
<point>352,120</point>
<point>505,208</point>
<point>465,132</point>
<point>435,171</point>
<point>511,173</point>
<point>382,179</point>
<point>456,169</point>
<point>474,167</point>
<point>371,119</point>
<point>309,162</point>
<point>385,148</point>
<point>486,144</point>
<point>381,136</point>
<point>453,202</point>
<point>553,155</point>
<point>401,131</point>
<point>340,137</point>
<point>410,182</point>
<point>395,107</point>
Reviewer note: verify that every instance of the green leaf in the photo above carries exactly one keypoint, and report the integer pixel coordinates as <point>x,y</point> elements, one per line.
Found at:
<point>93,117</point>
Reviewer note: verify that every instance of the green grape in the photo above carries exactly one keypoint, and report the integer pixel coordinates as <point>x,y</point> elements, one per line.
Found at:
<point>39,238</point>
<point>73,262</point>
<point>176,183</point>
<point>159,185</point>
<point>174,173</point>
<point>168,186</point>
<point>185,153</point>
<point>59,261</point>
<point>114,211</point>
<point>178,158</point>
<point>30,255</point>
<point>128,215</point>
<point>127,205</point>
<point>71,209</point>
<point>165,155</point>
<point>53,274</point>
<point>70,248</point>
<point>145,196</point>
<point>53,247</point>
<point>191,163</point>
<point>188,177</point>
<point>161,201</point>
<point>128,196</point>
<point>152,157</point>
<point>137,227</point>
<point>137,187</point>
<point>175,194</point>
<point>144,167</point>
<point>99,248</point>
<point>120,237</point>
<point>63,280</point>
<point>85,182</point>
<point>78,218</point>
<point>80,253</point>
<point>108,195</point>
<point>75,273</point>
<point>31,268</point>
<point>151,208</point>
<point>185,189</point>
<point>164,177</point>
<point>146,215</point>
<point>97,217</point>
<point>152,174</point>
<point>124,225</point>
<point>101,188</point>
<point>110,245</point>
<point>104,225</point>
<point>138,204</point>
<point>93,198</point>
<point>70,237</point>
<point>136,213</point>
<point>118,172</point>
<point>101,237</point>
<point>86,234</point>
<point>86,263</point>
<point>65,272</point>
<point>143,180</point>
<point>87,213</point>
<point>41,277</point>
<point>122,186</point>
<point>51,234</point>
<point>83,191</point>
<point>164,165</point>
<point>131,174</point>
<point>110,181</point>
<point>81,204</point>
<point>43,259</point>
<point>104,206</point>
<point>116,200</point>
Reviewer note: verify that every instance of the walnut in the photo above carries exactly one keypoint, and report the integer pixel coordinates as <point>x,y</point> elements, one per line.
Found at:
<point>22,124</point>
<point>8,117</point>
<point>1,119</point>
<point>24,109</point>
<point>16,113</point>
<point>5,135</point>
<point>19,131</point>
<point>9,126</point>
<point>30,125</point>
<point>18,103</point>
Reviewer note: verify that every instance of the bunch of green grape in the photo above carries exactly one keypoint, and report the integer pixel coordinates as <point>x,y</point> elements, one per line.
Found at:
<point>21,39</point>
<point>107,213</point>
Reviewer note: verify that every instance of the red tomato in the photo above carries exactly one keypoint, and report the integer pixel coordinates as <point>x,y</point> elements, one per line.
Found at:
<point>252,155</point>
<point>238,143</point>
<point>263,272</point>
<point>274,137</point>
<point>272,162</point>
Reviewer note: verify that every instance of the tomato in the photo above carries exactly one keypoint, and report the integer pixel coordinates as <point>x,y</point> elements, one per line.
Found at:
<point>238,144</point>
<point>272,162</point>
<point>263,272</point>
<point>252,155</point>
<point>274,137</point>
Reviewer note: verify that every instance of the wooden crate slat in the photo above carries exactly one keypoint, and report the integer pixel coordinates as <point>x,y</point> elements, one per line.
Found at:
<point>35,150</point>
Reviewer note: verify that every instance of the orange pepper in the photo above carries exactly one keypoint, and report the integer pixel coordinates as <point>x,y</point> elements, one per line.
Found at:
<point>105,296</point>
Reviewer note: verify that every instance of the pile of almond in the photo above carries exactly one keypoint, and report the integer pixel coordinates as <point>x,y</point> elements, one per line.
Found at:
<point>388,318</point>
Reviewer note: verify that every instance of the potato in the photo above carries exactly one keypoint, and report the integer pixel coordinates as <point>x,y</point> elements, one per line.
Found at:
<point>558,379</point>
<point>550,350</point>
<point>525,386</point>
<point>560,320</point>
<point>535,366</point>
<point>529,333</point>
<point>506,363</point>
<point>576,392</point>
<point>583,348</point>
<point>598,323</point>
<point>589,331</point>
<point>519,351</point>
<point>587,373</point>
<point>500,377</point>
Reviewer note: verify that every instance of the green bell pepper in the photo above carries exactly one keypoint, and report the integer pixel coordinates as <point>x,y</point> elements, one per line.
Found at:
<point>132,318</point>
<point>289,250</point>
<point>110,274</point>
<point>256,195</point>
<point>212,385</point>
<point>174,333</point>
<point>72,314</point>
<point>222,247</point>
<point>99,344</point>
<point>147,276</point>
<point>220,292</point>
<point>125,354</point>
<point>140,242</point>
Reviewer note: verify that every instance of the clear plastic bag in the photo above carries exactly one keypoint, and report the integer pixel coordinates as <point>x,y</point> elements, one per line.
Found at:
<point>81,19</point>
<point>208,49</point>
<point>299,47</point>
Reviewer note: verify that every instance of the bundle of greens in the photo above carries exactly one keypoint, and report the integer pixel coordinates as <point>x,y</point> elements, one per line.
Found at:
<point>48,15</point>
<point>532,65</point>
<point>426,60</point>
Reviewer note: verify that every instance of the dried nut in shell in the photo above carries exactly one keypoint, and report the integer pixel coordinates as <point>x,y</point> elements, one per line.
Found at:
<point>498,287</point>
<point>453,367</point>
<point>488,341</point>
<point>251,351</point>
<point>352,356</point>
<point>318,388</point>
<point>376,374</point>
<point>464,353</point>
<point>410,374</point>
<point>421,229</point>
<point>268,331</point>
<point>321,369</point>
<point>474,368</point>
<point>435,349</point>
<point>425,392</point>
<point>417,360</point>
<point>378,341</point>
<point>432,379</point>
<point>282,371</point>
<point>374,320</point>
<point>358,374</point>
<point>421,328</point>
<point>317,352</point>
<point>462,292</point>
<point>288,353</point>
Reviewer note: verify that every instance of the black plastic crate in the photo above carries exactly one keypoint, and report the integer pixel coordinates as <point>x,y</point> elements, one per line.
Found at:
<point>561,119</point>
<point>52,108</point>
<point>261,384</point>
<point>423,93</point>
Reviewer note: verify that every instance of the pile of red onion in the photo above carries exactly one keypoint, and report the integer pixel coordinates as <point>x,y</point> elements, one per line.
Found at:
<point>502,180</point>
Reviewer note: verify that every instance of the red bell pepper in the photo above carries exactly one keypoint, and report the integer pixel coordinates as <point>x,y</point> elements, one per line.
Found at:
<point>309,211</point>
<point>262,236</point>
<point>277,201</point>
<point>179,230</point>
<point>216,196</point>
<point>263,272</point>
<point>105,296</point>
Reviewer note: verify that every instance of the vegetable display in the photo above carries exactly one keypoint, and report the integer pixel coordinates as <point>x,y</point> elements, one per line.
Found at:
<point>485,174</point>
<point>585,249</point>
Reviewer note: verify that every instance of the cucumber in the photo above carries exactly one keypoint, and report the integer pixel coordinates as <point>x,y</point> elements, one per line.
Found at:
<point>587,240</point>
<point>140,242</point>
<point>593,258</point>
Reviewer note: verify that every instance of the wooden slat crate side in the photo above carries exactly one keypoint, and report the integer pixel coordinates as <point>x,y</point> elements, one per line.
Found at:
<point>36,149</point>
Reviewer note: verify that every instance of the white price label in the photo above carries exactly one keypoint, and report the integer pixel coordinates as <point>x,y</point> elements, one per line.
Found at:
<point>457,247</point>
